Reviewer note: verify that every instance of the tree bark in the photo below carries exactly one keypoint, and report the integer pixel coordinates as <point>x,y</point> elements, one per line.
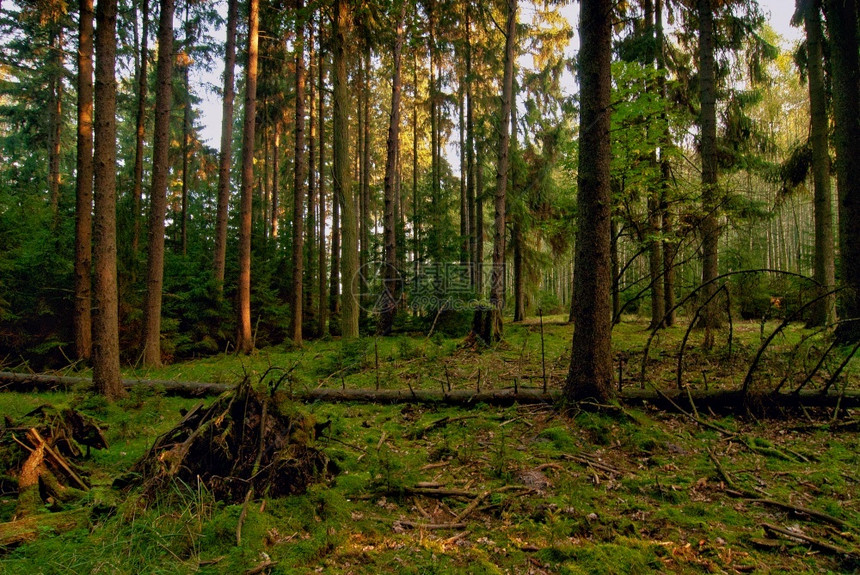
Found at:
<point>842,21</point>
<point>82,318</point>
<point>823,312</point>
<point>655,210</point>
<point>342,188</point>
<point>590,374</point>
<point>244,338</point>
<point>497,282</point>
<point>309,308</point>
<point>299,171</point>
<point>158,192</point>
<point>321,288</point>
<point>226,153</point>
<point>391,276</point>
<point>105,297</point>
<point>669,244</point>
<point>140,128</point>
<point>710,226</point>
<point>186,135</point>
<point>470,152</point>
<point>55,120</point>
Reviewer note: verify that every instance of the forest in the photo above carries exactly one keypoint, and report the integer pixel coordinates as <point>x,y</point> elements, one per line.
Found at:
<point>503,287</point>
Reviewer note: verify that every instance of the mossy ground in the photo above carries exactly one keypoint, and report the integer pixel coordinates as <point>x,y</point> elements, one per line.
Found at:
<point>621,491</point>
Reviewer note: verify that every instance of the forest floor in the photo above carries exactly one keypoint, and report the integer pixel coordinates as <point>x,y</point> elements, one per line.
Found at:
<point>517,489</point>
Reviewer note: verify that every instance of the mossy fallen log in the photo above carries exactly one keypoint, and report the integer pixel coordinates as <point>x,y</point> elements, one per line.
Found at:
<point>30,527</point>
<point>717,400</point>
<point>29,382</point>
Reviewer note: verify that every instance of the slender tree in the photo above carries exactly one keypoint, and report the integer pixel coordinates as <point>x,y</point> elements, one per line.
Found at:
<point>106,375</point>
<point>824,311</point>
<point>842,22</point>
<point>710,226</point>
<point>225,156</point>
<point>55,115</point>
<point>140,125</point>
<point>84,185</point>
<point>300,168</point>
<point>497,283</point>
<point>342,188</point>
<point>590,374</point>
<point>158,191</point>
<point>244,341</point>
<point>391,275</point>
<point>321,287</point>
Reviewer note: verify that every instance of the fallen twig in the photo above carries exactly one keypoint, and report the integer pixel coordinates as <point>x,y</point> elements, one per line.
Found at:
<point>815,543</point>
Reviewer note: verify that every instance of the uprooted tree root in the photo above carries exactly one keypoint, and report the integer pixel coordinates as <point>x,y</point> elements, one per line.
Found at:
<point>240,445</point>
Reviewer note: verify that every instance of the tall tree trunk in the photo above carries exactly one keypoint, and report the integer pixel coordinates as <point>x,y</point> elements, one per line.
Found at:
<point>274,215</point>
<point>479,220</point>
<point>435,219</point>
<point>842,20</point>
<point>497,282</point>
<point>470,153</point>
<point>186,135</point>
<point>309,308</point>
<point>158,192</point>
<point>824,312</point>
<point>321,288</point>
<point>615,265</point>
<point>342,188</point>
<point>464,199</point>
<point>140,127</point>
<point>244,338</point>
<point>655,210</point>
<point>365,254</point>
<point>106,376</point>
<point>226,153</point>
<point>590,374</point>
<point>55,121</point>
<point>519,279</point>
<point>669,243</point>
<point>82,319</point>
<point>334,282</point>
<point>710,226</point>
<point>300,168</point>
<point>416,213</point>
<point>391,277</point>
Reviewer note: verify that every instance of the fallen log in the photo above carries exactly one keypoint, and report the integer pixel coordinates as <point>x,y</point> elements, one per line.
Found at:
<point>716,400</point>
<point>29,382</point>
<point>29,528</point>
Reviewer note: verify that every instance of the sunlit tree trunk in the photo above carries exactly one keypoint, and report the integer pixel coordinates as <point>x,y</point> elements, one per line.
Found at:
<point>186,135</point>
<point>321,288</point>
<point>106,375</point>
<point>824,312</point>
<point>82,319</point>
<point>140,126</point>
<point>590,374</point>
<point>342,188</point>
<point>391,275</point>
<point>244,338</point>
<point>309,308</point>
<point>226,153</point>
<point>497,281</point>
<point>158,192</point>
<point>299,170</point>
